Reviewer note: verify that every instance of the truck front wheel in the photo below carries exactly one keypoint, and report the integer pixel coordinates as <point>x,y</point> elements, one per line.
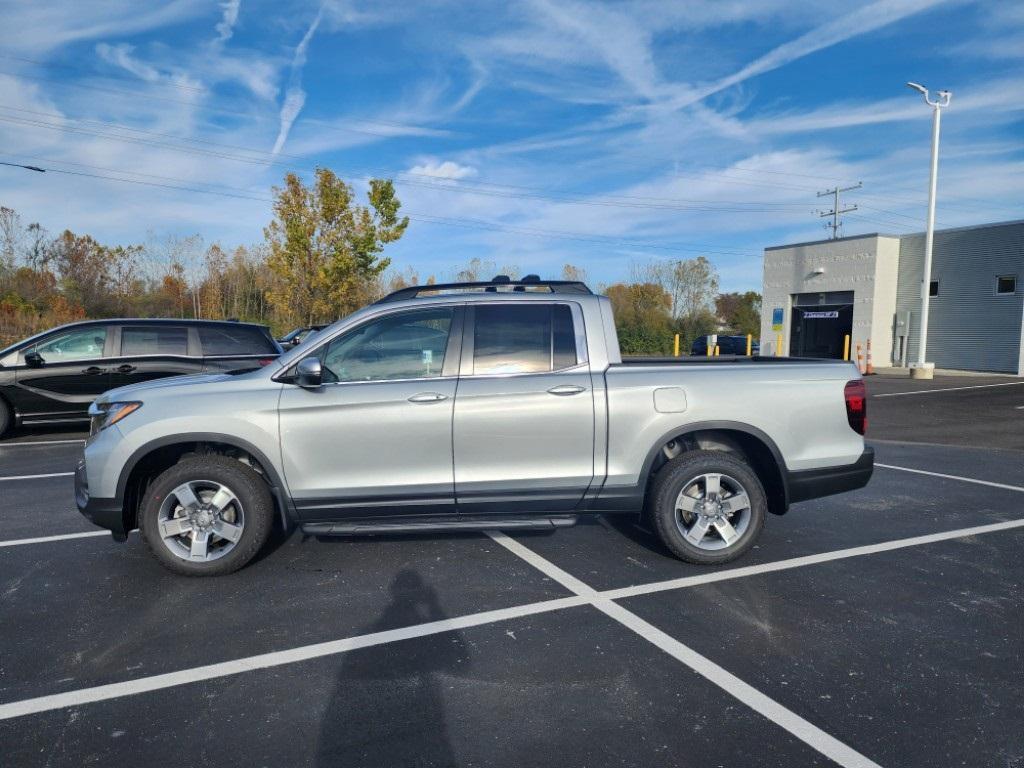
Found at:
<point>206,516</point>
<point>708,507</point>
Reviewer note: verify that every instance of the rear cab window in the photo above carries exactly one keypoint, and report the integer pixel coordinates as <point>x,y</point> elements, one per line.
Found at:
<point>523,338</point>
<point>154,340</point>
<point>235,341</point>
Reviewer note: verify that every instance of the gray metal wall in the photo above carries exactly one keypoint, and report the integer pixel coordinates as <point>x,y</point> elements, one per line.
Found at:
<point>970,327</point>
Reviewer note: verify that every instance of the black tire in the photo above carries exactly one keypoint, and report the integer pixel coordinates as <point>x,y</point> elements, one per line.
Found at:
<point>6,417</point>
<point>246,485</point>
<point>684,471</point>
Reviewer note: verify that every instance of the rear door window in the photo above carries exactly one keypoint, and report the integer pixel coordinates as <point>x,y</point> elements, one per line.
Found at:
<point>523,338</point>
<point>235,340</point>
<point>154,340</point>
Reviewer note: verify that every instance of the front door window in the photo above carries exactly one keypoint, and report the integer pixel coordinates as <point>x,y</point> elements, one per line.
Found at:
<point>410,345</point>
<point>75,344</point>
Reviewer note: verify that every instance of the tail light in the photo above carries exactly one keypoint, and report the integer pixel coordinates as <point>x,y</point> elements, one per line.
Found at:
<point>265,361</point>
<point>856,396</point>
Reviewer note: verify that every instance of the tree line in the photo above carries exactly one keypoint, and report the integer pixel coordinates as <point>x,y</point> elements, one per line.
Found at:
<point>322,257</point>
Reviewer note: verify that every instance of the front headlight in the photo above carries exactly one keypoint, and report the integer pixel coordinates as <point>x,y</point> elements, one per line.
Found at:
<point>103,415</point>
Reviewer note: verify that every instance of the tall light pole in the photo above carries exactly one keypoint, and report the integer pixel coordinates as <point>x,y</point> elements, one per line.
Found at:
<point>921,369</point>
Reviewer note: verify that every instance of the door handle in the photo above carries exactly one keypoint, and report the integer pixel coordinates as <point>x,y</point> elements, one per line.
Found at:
<point>125,368</point>
<point>428,397</point>
<point>566,389</point>
<point>92,370</point>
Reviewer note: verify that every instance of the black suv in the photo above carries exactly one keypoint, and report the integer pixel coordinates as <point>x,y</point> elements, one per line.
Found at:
<point>727,345</point>
<point>53,376</point>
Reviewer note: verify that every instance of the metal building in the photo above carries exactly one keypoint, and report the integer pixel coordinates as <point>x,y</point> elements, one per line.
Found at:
<point>868,287</point>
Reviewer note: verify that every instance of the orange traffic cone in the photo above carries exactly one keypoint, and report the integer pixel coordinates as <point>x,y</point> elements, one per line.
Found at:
<point>860,360</point>
<point>869,370</point>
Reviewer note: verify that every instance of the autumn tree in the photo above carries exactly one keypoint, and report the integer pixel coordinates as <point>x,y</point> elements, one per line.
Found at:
<point>741,312</point>
<point>642,319</point>
<point>324,250</point>
<point>691,284</point>
<point>478,270</point>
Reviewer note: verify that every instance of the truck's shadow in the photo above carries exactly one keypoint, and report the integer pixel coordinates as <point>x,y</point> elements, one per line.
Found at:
<point>387,708</point>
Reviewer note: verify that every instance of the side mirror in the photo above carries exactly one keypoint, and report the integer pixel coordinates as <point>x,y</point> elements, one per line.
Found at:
<point>309,373</point>
<point>34,360</point>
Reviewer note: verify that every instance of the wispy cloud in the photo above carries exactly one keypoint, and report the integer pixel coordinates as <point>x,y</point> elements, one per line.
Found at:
<point>877,15</point>
<point>122,55</point>
<point>226,26</point>
<point>40,27</point>
<point>295,97</point>
<point>999,97</point>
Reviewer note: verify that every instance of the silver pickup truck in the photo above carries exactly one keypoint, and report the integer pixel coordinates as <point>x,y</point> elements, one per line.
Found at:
<point>498,405</point>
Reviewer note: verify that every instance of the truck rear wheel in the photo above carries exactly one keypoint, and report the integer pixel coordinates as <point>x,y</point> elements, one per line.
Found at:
<point>206,516</point>
<point>708,507</point>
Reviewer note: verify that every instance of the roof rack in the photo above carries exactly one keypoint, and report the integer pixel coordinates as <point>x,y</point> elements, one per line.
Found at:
<point>531,283</point>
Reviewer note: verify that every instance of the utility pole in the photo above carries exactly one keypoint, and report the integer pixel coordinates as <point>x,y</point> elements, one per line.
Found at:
<point>836,210</point>
<point>921,369</point>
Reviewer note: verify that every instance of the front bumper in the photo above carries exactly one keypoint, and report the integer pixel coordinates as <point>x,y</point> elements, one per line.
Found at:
<point>106,513</point>
<point>815,483</point>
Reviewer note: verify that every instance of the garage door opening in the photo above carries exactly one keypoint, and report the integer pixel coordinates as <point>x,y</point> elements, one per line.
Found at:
<point>820,324</point>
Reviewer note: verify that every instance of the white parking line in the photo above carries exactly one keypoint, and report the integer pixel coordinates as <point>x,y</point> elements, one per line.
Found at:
<point>989,483</point>
<point>950,389</point>
<point>804,730</point>
<point>48,539</point>
<point>40,442</point>
<point>275,659</point>
<point>36,477</point>
<point>798,562</point>
<point>584,595</point>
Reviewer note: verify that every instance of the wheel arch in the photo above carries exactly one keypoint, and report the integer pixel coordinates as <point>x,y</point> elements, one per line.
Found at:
<point>757,448</point>
<point>154,457</point>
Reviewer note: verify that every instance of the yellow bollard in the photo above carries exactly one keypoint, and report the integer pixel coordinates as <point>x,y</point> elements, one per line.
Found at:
<point>708,349</point>
<point>778,345</point>
<point>750,343</point>
<point>677,345</point>
<point>846,348</point>
<point>716,350</point>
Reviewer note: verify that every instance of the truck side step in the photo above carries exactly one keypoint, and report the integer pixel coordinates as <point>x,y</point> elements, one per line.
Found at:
<point>434,524</point>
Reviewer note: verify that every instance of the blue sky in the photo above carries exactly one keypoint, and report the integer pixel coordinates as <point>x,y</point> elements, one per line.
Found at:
<point>528,132</point>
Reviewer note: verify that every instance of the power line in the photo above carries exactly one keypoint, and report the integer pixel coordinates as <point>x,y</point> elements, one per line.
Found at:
<point>718,177</point>
<point>349,128</point>
<point>423,217</point>
<point>433,183</point>
<point>969,203</point>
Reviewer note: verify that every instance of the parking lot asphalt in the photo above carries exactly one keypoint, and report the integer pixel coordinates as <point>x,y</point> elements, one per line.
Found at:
<point>978,411</point>
<point>879,627</point>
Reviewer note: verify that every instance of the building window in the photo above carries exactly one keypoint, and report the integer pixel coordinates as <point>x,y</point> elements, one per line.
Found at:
<point>933,288</point>
<point>1006,284</point>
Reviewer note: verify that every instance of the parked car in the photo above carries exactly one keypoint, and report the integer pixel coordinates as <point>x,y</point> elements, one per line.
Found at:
<point>471,406</point>
<point>53,376</point>
<point>298,335</point>
<point>727,345</point>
